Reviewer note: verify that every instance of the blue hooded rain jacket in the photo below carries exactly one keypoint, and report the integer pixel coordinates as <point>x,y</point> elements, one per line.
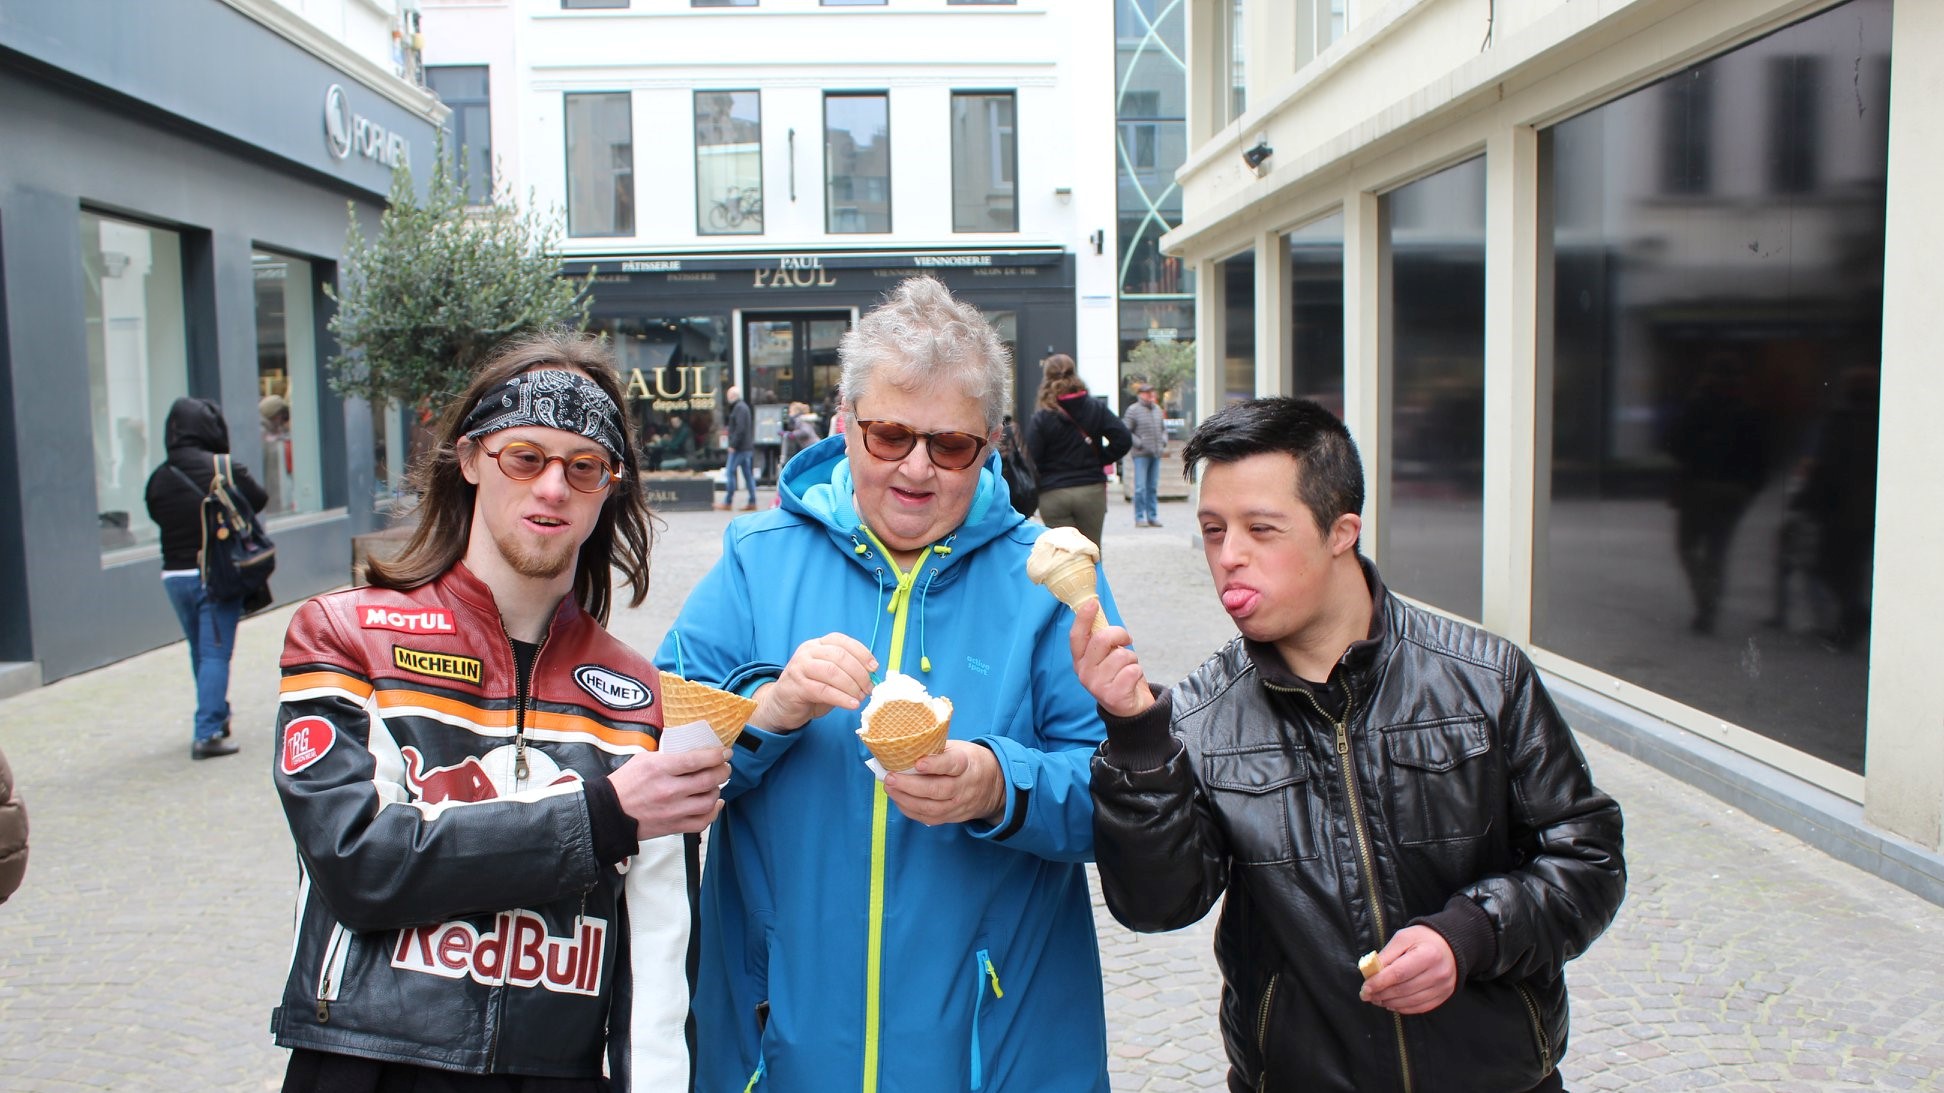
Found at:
<point>844,946</point>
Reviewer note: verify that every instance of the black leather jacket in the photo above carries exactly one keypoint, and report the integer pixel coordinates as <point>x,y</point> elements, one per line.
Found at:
<point>1464,804</point>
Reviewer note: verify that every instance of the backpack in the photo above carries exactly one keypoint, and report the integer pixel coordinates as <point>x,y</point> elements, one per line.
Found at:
<point>237,556</point>
<point>1016,464</point>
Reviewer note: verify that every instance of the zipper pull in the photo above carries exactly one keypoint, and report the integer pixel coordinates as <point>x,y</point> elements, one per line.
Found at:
<point>992,974</point>
<point>323,1005</point>
<point>519,761</point>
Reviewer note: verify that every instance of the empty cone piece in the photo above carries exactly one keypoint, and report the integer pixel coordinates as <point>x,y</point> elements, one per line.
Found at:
<point>684,701</point>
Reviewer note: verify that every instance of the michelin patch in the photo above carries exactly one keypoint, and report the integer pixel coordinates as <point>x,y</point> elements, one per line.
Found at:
<point>443,665</point>
<point>612,689</point>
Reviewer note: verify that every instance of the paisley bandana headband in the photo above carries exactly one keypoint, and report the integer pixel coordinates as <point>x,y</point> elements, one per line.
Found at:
<point>553,399</point>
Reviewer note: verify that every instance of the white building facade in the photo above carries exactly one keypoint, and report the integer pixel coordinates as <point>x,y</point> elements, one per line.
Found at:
<point>745,179</point>
<point>1622,301</point>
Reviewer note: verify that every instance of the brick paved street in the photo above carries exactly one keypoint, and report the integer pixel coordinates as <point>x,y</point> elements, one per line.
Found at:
<point>148,944</point>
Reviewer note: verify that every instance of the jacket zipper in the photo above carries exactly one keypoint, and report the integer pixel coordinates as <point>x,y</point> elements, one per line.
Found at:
<point>1262,1030</point>
<point>1538,1029</point>
<point>983,972</point>
<point>522,692</point>
<point>331,975</point>
<point>1361,828</point>
<point>880,832</point>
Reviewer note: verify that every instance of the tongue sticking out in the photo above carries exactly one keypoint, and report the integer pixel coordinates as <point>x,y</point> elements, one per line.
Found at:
<point>1238,600</point>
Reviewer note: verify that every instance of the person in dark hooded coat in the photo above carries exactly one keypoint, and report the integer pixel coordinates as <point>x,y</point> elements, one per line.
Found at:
<point>196,434</point>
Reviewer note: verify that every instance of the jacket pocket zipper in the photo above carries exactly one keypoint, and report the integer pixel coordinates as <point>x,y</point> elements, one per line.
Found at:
<point>1262,1029</point>
<point>1538,1028</point>
<point>983,973</point>
<point>330,977</point>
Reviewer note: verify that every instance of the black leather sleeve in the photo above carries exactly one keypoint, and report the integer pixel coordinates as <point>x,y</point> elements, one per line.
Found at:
<point>1567,835</point>
<point>1162,859</point>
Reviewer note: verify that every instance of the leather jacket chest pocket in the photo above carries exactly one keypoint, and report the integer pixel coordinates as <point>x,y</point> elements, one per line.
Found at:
<point>1262,797</point>
<point>1441,782</point>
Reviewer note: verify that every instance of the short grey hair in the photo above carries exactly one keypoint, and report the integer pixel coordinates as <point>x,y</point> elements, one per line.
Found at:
<point>921,337</point>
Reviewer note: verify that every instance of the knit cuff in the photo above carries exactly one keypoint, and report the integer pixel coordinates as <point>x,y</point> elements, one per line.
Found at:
<point>614,830</point>
<point>1468,930</point>
<point>1140,742</point>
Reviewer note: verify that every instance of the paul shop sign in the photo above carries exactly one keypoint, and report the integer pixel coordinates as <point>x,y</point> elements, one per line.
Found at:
<point>346,132</point>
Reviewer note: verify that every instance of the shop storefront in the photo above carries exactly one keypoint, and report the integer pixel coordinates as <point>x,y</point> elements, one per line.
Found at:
<point>687,328</point>
<point>172,203</point>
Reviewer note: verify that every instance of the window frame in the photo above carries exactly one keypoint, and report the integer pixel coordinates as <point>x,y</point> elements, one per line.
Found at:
<point>889,208</point>
<point>986,97</point>
<point>567,171</point>
<point>695,103</point>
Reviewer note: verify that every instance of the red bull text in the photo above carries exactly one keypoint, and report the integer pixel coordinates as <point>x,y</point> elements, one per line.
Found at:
<point>516,952</point>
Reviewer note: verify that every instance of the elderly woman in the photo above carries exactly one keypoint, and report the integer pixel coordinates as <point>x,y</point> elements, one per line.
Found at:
<point>931,931</point>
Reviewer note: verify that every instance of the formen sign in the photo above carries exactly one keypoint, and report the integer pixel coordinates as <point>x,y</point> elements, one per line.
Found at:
<point>345,131</point>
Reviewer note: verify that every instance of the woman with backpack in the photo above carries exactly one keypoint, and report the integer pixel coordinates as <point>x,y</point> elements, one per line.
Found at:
<point>1072,437</point>
<point>196,434</point>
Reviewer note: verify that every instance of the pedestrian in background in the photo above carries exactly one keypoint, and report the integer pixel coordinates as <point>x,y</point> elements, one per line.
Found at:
<point>1149,427</point>
<point>1357,775</point>
<point>494,852</point>
<point>13,833</point>
<point>740,433</point>
<point>196,434</point>
<point>930,933</point>
<point>1072,437</point>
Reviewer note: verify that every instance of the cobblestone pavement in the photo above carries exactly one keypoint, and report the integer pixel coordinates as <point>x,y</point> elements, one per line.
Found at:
<point>148,944</point>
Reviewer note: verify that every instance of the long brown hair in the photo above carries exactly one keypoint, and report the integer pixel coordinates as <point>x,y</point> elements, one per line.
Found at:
<point>623,536</point>
<point>1059,376</point>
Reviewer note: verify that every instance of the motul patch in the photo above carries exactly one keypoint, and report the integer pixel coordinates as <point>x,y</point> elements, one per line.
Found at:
<point>306,740</point>
<point>419,620</point>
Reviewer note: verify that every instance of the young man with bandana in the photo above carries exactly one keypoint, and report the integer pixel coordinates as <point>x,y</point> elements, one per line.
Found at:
<point>497,859</point>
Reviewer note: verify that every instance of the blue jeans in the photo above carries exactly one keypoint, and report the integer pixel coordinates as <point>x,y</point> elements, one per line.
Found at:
<point>746,461</point>
<point>1147,484</point>
<point>210,626</point>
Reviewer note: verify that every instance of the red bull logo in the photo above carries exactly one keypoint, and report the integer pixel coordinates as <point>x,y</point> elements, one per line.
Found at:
<point>424,620</point>
<point>478,778</point>
<point>517,951</point>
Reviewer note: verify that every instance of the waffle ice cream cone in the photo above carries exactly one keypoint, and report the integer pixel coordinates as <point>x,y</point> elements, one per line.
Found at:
<point>903,724</point>
<point>684,701</point>
<point>1063,560</point>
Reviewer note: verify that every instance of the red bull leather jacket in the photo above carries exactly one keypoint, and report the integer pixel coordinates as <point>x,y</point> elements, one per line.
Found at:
<point>452,909</point>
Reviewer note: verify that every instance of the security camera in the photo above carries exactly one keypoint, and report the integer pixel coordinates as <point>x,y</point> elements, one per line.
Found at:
<point>1255,157</point>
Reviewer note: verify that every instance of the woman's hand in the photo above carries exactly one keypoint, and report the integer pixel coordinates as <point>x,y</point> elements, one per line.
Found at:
<point>823,674</point>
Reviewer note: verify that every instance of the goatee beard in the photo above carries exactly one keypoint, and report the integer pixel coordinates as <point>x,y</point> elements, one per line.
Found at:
<point>533,564</point>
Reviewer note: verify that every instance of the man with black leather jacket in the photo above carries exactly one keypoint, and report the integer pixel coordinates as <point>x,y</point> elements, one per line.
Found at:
<point>1357,775</point>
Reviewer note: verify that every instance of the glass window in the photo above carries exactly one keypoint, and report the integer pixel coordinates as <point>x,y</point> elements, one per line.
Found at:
<point>985,188</point>
<point>728,163</point>
<point>674,371</point>
<point>138,364</point>
<point>1157,301</point>
<point>286,343</point>
<point>1685,132</point>
<point>600,164</point>
<point>1238,327</point>
<point>1316,306</point>
<point>593,3</point>
<point>857,163</point>
<point>1237,48</point>
<point>469,130</point>
<point>1433,546</point>
<point>1710,512</point>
